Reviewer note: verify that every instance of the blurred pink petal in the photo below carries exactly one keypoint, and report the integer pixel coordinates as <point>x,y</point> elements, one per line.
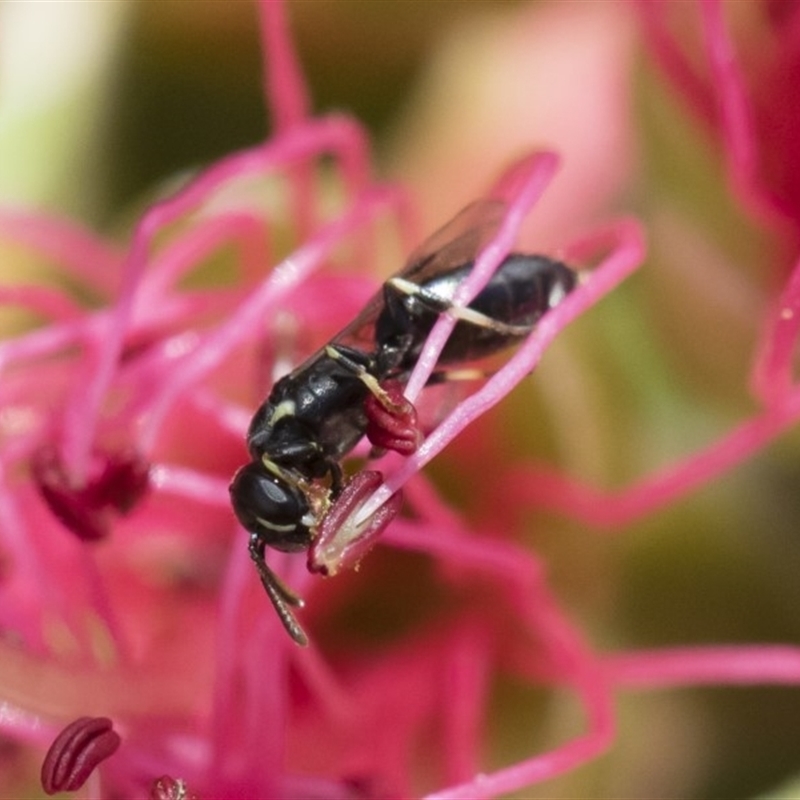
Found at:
<point>543,76</point>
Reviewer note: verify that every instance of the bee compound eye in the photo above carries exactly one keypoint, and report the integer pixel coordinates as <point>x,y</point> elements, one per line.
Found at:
<point>271,507</point>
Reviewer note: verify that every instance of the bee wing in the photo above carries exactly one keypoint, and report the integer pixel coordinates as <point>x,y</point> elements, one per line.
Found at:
<point>453,245</point>
<point>456,243</point>
<point>360,333</point>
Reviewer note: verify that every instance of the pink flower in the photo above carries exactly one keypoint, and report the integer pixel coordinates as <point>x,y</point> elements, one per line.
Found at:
<point>140,652</point>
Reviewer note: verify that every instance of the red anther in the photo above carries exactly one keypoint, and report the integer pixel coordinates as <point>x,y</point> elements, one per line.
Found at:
<point>780,13</point>
<point>167,788</point>
<point>340,542</point>
<point>116,483</point>
<point>364,787</point>
<point>122,483</point>
<point>392,421</point>
<point>75,753</point>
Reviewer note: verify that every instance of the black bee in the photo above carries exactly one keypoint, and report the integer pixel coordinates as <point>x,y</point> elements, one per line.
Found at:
<point>315,415</point>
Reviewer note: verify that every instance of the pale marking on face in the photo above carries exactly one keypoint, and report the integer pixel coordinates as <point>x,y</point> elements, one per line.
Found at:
<point>273,527</point>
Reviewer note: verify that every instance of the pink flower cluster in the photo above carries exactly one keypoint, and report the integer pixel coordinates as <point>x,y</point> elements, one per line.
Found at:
<point>138,646</point>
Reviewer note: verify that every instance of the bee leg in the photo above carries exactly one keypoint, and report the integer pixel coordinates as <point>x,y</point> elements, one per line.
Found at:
<point>392,422</point>
<point>337,480</point>
<point>279,594</point>
<point>462,313</point>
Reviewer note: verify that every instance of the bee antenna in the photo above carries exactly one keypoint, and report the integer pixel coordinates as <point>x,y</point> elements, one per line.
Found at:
<point>279,594</point>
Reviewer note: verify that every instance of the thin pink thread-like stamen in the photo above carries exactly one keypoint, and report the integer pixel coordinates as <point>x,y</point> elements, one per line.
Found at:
<point>599,706</point>
<point>613,510</point>
<point>672,61</point>
<point>771,374</point>
<point>744,665</point>
<point>82,411</point>
<point>536,173</point>
<point>77,252</point>
<point>285,278</point>
<point>190,484</point>
<point>735,116</point>
<point>50,303</point>
<point>243,229</point>
<point>468,675</point>
<point>285,92</point>
<point>17,538</point>
<point>286,97</point>
<point>613,270</point>
<point>223,706</point>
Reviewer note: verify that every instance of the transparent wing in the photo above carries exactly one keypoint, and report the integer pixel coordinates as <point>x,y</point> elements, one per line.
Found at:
<point>360,333</point>
<point>457,242</point>
<point>453,245</point>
